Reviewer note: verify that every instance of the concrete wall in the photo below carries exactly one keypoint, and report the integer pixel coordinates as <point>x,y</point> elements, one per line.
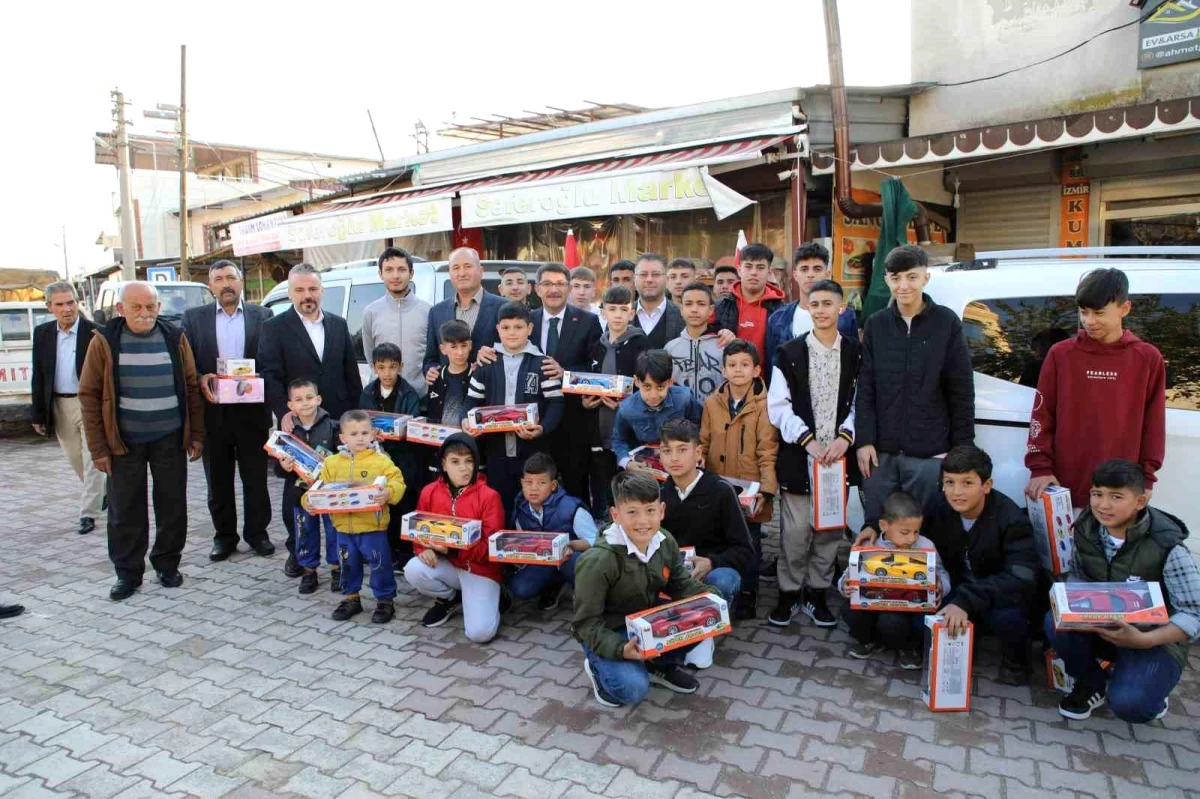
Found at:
<point>954,40</point>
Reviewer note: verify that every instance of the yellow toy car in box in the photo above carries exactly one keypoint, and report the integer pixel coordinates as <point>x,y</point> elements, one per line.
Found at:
<point>443,531</point>
<point>884,567</point>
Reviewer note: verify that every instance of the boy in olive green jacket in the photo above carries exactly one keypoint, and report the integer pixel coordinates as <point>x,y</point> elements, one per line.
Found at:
<point>631,563</point>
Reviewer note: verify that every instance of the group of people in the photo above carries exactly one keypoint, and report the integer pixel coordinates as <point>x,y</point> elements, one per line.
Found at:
<point>732,383</point>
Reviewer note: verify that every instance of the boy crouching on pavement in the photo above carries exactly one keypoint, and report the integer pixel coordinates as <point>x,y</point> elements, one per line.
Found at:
<point>362,535</point>
<point>633,562</point>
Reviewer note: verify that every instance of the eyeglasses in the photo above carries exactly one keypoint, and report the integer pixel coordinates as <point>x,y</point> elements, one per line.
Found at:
<point>548,284</point>
<point>652,274</point>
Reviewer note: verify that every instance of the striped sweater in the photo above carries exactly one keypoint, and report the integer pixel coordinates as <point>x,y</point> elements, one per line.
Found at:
<point>148,406</point>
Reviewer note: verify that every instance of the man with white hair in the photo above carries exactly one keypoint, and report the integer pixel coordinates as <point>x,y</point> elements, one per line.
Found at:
<point>470,304</point>
<point>142,408</point>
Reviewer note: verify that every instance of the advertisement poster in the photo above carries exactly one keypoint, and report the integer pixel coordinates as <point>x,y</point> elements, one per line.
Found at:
<point>1073,213</point>
<point>854,241</point>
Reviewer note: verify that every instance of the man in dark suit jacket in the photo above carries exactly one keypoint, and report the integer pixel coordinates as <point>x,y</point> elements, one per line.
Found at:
<point>660,318</point>
<point>230,328</point>
<point>471,304</point>
<point>567,335</point>
<point>56,407</point>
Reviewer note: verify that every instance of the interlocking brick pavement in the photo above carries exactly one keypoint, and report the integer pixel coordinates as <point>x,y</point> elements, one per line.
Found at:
<point>236,686</point>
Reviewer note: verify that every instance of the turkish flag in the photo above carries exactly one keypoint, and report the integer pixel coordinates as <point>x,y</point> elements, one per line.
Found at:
<point>571,254</point>
<point>737,255</point>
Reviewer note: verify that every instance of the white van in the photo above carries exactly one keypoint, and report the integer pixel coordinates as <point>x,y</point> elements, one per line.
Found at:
<point>174,297</point>
<point>1006,299</point>
<point>17,321</point>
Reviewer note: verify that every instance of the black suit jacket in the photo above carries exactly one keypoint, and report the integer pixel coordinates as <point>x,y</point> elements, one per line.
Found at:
<point>669,326</point>
<point>577,337</point>
<point>482,335</point>
<point>285,353</point>
<point>200,325</point>
<point>45,361</point>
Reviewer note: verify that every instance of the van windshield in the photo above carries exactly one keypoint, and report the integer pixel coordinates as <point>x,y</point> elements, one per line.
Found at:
<point>174,300</point>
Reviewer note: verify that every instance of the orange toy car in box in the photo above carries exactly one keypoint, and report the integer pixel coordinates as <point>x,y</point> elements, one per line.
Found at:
<point>423,431</point>
<point>1089,605</point>
<point>902,568</point>
<point>647,455</point>
<point>502,418</point>
<point>531,548</point>
<point>432,529</point>
<point>595,384</point>
<point>891,598</point>
<point>680,623</point>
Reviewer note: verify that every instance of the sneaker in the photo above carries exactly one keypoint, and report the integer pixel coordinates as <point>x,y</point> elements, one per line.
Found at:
<point>292,567</point>
<point>910,659</point>
<point>769,571</point>
<point>602,696</point>
<point>506,600</point>
<point>786,610</point>
<point>550,596</point>
<point>308,582</point>
<point>861,651</point>
<point>816,609</point>
<point>385,611</point>
<point>700,656</point>
<point>1162,714</point>
<point>335,580</point>
<point>347,608</point>
<point>672,677</point>
<point>442,610</point>
<point>1080,703</point>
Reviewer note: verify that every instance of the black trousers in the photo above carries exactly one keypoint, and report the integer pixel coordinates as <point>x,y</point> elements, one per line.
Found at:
<point>229,441</point>
<point>128,513</point>
<point>571,454</point>
<point>603,470</point>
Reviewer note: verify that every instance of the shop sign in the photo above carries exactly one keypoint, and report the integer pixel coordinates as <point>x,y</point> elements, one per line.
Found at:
<point>257,235</point>
<point>1074,206</point>
<point>391,220</point>
<point>855,240</point>
<point>1169,34</point>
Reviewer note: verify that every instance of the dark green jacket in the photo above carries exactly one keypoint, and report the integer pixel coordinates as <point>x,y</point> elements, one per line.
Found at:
<point>611,583</point>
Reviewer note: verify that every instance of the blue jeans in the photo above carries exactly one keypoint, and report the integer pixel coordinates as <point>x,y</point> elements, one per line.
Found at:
<point>357,549</point>
<point>1009,623</point>
<point>308,528</point>
<point>627,681</point>
<point>727,581</point>
<point>529,581</point>
<point>1141,679</point>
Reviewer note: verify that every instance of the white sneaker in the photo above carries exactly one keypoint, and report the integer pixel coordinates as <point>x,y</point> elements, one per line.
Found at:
<point>701,656</point>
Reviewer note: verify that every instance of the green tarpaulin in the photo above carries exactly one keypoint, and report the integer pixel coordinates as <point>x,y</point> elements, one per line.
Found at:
<point>898,210</point>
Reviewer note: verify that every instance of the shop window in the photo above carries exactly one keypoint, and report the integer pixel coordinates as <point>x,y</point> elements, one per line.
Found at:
<point>14,326</point>
<point>361,296</point>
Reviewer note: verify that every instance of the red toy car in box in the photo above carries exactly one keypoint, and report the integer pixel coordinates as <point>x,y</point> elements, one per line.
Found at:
<point>908,600</point>
<point>677,620</point>
<point>502,418</point>
<point>682,623</point>
<point>520,546</point>
<point>1084,605</point>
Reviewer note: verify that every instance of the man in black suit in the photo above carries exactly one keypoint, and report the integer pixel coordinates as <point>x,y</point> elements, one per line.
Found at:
<point>229,328</point>
<point>305,342</point>
<point>657,316</point>
<point>566,335</point>
<point>472,305</point>
<point>59,348</point>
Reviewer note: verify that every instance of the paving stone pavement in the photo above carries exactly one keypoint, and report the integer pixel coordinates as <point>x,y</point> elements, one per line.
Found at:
<point>233,685</point>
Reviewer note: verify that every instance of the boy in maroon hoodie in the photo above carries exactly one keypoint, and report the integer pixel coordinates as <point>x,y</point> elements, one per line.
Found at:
<point>1101,395</point>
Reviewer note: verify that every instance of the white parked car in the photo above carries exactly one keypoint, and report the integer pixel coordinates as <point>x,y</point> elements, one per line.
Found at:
<point>17,321</point>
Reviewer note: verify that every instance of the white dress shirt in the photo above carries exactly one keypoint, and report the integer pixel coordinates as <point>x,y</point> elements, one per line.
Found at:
<point>65,379</point>
<point>316,332</point>
<point>686,492</point>
<point>648,320</point>
<point>546,317</point>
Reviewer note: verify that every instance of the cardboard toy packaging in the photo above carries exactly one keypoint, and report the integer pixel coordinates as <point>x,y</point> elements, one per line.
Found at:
<point>1052,517</point>
<point>423,431</point>
<point>307,460</point>
<point>389,426</point>
<point>946,683</point>
<point>647,455</point>
<point>1082,606</point>
<point>899,568</point>
<point>530,548</point>
<point>749,494</point>
<point>238,390</point>
<point>235,367</point>
<point>502,418</point>
<point>891,598</point>
<point>829,494</point>
<point>443,531</point>
<point>689,557</point>
<point>596,384</point>
<point>1057,678</point>
<point>680,623</point>
<point>344,497</point>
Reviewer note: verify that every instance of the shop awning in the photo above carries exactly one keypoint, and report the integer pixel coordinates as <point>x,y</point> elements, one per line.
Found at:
<point>369,220</point>
<point>1166,117</point>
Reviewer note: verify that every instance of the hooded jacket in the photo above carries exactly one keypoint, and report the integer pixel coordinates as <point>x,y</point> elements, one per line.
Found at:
<point>744,445</point>
<point>697,363</point>
<point>748,320</point>
<point>711,520</point>
<point>637,423</point>
<point>362,467</point>
<point>474,501</point>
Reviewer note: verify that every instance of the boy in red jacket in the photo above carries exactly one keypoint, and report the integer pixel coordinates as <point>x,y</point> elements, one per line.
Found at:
<point>1101,395</point>
<point>461,579</point>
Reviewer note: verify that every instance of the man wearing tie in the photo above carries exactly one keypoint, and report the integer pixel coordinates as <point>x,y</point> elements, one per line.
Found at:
<point>59,348</point>
<point>234,434</point>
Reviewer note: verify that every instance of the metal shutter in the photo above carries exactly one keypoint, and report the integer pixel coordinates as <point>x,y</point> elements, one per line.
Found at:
<point>1009,219</point>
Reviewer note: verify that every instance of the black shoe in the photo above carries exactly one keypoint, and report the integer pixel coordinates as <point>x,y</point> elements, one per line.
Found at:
<point>602,696</point>
<point>745,607</point>
<point>86,525</point>
<point>769,571</point>
<point>347,608</point>
<point>291,567</point>
<point>385,611</point>
<point>171,579</point>
<point>816,609</point>
<point>124,589</point>
<point>263,547</point>
<point>506,600</point>
<point>861,651</point>
<point>548,599</point>
<point>221,551</point>
<point>335,580</point>
<point>1080,703</point>
<point>308,582</point>
<point>672,677</point>
<point>910,659</point>
<point>786,610</point>
<point>1014,669</point>
<point>442,610</point>
<point>9,611</point>
<point>400,560</point>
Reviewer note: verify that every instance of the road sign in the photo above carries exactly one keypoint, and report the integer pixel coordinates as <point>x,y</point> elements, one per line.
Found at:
<point>161,274</point>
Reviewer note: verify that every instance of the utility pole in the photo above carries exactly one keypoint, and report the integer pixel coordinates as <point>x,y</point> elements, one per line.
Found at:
<point>184,272</point>
<point>66,263</point>
<point>128,233</point>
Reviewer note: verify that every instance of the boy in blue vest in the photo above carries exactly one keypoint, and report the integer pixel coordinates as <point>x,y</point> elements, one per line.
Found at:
<point>545,507</point>
<point>514,378</point>
<point>1119,538</point>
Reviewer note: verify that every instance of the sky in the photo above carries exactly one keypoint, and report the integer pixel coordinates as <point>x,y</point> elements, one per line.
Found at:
<point>301,76</point>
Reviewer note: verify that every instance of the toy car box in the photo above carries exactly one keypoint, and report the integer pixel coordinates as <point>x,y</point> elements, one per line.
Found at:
<point>689,557</point>
<point>389,426</point>
<point>829,494</point>
<point>1051,517</point>
<point>946,683</point>
<point>1090,605</point>
<point>595,384</point>
<point>675,624</point>
<point>235,367</point>
<point>749,494</point>
<point>892,598</point>
<point>1057,678</point>
<point>901,568</point>
<point>423,431</point>
<point>238,390</point>
<point>647,455</point>
<point>502,418</point>
<point>344,497</point>
<point>307,460</point>
<point>530,548</point>
<point>443,531</point>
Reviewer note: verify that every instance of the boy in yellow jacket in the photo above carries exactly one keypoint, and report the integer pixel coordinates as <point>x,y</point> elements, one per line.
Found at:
<point>362,535</point>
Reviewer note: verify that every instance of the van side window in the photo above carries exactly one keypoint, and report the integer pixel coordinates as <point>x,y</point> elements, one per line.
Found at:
<point>361,296</point>
<point>333,299</point>
<point>1009,338</point>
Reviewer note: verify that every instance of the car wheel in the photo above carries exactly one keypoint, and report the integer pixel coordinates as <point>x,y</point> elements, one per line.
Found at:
<point>710,622</point>
<point>544,553</point>
<point>881,572</point>
<point>919,576</point>
<point>424,528</point>
<point>674,628</point>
